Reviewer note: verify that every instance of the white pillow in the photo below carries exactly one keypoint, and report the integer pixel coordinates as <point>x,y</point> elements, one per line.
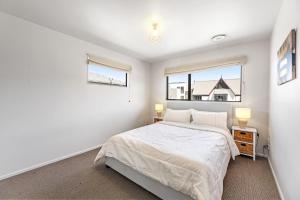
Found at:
<point>217,119</point>
<point>183,116</point>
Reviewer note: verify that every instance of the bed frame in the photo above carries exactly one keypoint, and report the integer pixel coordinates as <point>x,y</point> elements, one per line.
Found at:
<point>153,186</point>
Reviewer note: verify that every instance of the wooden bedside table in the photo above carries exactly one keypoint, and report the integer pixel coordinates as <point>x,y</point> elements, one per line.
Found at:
<point>157,119</point>
<point>245,139</point>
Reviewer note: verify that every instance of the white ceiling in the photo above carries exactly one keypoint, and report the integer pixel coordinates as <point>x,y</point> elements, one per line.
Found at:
<point>122,25</point>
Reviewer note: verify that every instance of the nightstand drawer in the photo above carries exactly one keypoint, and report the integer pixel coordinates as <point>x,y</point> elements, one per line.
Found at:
<point>157,119</point>
<point>243,136</point>
<point>245,148</point>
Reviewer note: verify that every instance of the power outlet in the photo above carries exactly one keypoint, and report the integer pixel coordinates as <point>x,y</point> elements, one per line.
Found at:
<point>266,148</point>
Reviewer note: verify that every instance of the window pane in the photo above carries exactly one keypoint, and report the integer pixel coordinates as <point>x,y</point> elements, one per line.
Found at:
<point>107,75</point>
<point>178,86</point>
<point>217,84</point>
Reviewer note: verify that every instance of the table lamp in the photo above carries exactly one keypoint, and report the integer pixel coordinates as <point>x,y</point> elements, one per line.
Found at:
<point>243,115</point>
<point>159,109</point>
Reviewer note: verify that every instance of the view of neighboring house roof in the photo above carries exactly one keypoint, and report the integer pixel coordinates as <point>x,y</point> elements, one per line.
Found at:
<point>93,77</point>
<point>205,87</point>
<point>176,83</point>
<point>235,85</point>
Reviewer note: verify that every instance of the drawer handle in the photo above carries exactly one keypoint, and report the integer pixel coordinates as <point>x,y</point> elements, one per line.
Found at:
<point>243,133</point>
<point>243,144</point>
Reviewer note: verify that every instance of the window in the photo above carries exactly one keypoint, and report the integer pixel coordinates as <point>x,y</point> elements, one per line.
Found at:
<point>212,84</point>
<point>182,90</point>
<point>177,87</point>
<point>98,73</point>
<point>220,97</point>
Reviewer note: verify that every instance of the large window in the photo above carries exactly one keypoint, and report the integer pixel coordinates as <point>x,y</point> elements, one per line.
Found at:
<point>98,73</point>
<point>212,84</point>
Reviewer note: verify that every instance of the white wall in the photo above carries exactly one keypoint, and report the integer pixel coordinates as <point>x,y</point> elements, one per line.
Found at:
<point>285,108</point>
<point>256,76</point>
<point>47,108</point>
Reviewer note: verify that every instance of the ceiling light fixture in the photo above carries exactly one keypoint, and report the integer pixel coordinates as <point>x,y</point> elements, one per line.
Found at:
<point>219,37</point>
<point>155,32</point>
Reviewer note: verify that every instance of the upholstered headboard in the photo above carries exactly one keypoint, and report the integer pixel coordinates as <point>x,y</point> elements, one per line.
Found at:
<point>205,106</point>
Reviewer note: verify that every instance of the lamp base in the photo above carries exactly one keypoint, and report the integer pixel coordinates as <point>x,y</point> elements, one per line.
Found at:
<point>159,114</point>
<point>242,123</point>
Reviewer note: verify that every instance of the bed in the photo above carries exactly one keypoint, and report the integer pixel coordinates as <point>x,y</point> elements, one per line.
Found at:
<point>173,160</point>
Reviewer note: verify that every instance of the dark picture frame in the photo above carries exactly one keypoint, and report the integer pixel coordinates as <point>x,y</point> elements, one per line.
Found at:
<point>286,66</point>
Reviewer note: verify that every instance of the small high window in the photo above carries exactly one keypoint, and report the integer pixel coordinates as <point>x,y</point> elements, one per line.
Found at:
<point>105,71</point>
<point>106,75</point>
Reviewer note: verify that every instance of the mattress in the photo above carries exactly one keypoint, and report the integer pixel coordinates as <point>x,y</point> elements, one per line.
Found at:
<point>188,158</point>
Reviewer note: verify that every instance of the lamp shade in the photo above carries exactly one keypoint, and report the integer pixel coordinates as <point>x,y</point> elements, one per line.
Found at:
<point>159,107</point>
<point>243,113</point>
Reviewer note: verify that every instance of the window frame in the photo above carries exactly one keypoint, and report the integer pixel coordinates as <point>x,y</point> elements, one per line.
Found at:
<point>110,84</point>
<point>189,90</point>
<point>189,74</point>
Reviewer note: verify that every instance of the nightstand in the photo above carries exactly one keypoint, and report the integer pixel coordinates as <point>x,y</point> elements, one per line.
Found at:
<point>245,139</point>
<point>157,119</point>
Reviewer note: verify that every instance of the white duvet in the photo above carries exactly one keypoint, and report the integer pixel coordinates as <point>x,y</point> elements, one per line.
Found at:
<point>189,158</point>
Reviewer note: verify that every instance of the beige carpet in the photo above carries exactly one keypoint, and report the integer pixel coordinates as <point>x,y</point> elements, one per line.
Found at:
<point>76,178</point>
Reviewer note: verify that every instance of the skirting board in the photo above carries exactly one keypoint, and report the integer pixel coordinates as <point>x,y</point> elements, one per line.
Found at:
<point>47,163</point>
<point>262,155</point>
<point>276,180</point>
